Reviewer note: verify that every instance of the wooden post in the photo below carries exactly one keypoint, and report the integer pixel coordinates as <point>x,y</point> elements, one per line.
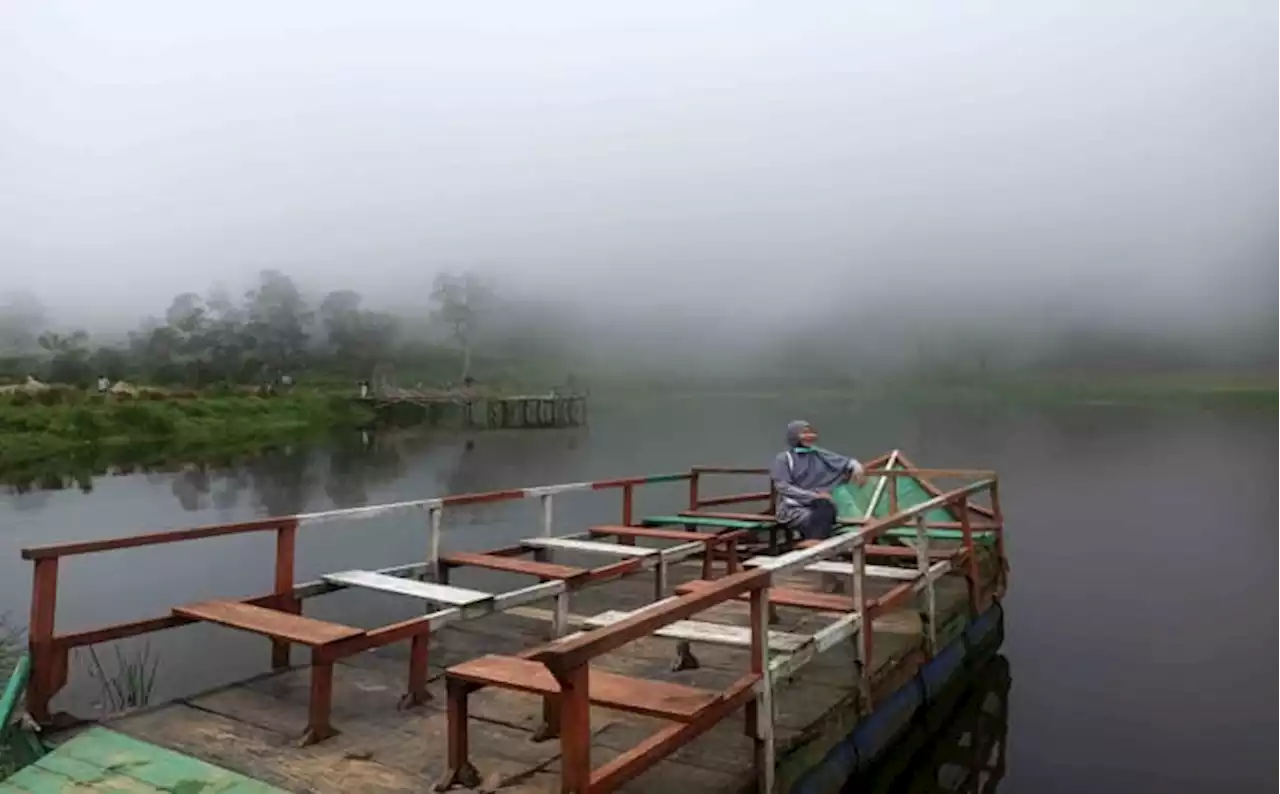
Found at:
<point>44,606</point>
<point>548,517</point>
<point>575,731</point>
<point>693,490</point>
<point>970,555</point>
<point>930,611</point>
<point>628,513</point>
<point>286,540</point>
<point>760,710</point>
<point>997,518</point>
<point>865,644</point>
<point>433,543</point>
<point>628,504</point>
<point>560,618</point>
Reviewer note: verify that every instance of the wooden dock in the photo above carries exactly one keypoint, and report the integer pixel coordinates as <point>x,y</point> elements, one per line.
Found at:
<point>476,408</point>
<point>626,675</point>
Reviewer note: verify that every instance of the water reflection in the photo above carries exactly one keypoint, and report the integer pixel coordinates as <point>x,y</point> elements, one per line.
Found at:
<point>285,479</point>
<point>272,480</point>
<point>960,747</point>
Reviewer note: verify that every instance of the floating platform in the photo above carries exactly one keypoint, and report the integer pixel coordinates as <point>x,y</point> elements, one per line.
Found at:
<point>705,651</point>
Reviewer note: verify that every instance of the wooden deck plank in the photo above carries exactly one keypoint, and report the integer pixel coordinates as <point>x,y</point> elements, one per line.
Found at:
<point>268,622</point>
<point>427,591</point>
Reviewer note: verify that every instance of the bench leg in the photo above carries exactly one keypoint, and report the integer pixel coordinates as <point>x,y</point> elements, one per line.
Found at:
<point>575,733</point>
<point>560,616</point>
<point>280,648</point>
<point>318,725</point>
<point>550,726</point>
<point>460,771</point>
<point>418,655</point>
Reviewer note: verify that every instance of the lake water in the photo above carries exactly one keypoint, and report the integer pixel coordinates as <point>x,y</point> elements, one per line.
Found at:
<point>1139,621</point>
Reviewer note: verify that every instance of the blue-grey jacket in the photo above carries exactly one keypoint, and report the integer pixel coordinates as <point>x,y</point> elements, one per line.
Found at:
<point>799,473</point>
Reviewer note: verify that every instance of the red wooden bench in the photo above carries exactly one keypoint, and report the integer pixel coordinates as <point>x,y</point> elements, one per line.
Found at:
<point>320,636</point>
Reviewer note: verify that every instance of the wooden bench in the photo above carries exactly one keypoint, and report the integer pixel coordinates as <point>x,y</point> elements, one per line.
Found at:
<point>728,539</point>
<point>588,547</point>
<point>427,591</point>
<point>704,632</point>
<point>542,570</point>
<point>318,635</point>
<point>786,597</point>
<point>694,711</point>
<point>778,534</point>
<point>674,702</point>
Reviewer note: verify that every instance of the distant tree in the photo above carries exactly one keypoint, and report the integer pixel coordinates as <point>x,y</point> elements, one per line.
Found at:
<point>356,339</point>
<point>226,343</point>
<point>277,320</point>
<point>70,363</point>
<point>186,313</point>
<point>460,303</point>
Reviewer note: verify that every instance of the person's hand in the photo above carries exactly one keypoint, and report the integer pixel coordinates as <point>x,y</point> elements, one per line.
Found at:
<point>860,477</point>
<point>825,495</point>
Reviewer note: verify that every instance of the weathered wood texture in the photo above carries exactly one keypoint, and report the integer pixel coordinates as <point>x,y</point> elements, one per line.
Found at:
<point>252,727</point>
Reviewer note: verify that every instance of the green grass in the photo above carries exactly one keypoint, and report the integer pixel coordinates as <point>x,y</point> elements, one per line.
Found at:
<point>77,425</point>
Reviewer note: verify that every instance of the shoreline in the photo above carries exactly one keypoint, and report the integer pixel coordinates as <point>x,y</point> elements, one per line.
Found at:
<point>75,425</point>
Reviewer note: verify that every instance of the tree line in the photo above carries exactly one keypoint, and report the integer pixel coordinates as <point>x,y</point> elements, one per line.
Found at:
<point>271,331</point>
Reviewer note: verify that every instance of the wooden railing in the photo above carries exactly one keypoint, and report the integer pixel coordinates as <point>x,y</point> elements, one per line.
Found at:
<point>50,651</point>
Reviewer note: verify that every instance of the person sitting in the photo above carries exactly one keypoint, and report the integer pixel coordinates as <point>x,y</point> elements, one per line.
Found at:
<point>803,476</point>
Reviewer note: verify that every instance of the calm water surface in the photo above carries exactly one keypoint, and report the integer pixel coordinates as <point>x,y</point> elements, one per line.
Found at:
<point>1139,626</point>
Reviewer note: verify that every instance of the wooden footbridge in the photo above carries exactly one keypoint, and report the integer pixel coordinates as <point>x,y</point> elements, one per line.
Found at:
<point>650,634</point>
<point>483,408</point>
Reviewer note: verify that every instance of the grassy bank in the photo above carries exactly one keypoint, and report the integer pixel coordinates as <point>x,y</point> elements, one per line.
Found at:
<point>46,425</point>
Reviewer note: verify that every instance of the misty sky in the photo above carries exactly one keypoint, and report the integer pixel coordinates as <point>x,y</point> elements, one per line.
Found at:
<point>1111,157</point>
